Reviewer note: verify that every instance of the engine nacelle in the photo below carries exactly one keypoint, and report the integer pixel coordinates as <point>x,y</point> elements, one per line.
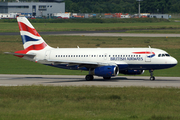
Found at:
<point>132,72</point>
<point>106,71</point>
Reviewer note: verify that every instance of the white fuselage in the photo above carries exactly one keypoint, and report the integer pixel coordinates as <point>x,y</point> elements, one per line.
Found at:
<point>135,58</point>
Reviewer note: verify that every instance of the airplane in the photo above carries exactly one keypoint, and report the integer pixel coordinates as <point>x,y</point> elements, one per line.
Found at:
<point>103,62</point>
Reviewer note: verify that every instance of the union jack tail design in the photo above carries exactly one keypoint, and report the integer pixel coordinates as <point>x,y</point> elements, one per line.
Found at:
<point>30,37</point>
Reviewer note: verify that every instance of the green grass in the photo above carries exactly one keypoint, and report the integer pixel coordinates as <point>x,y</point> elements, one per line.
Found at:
<point>91,20</point>
<point>14,43</point>
<point>14,65</point>
<point>77,103</point>
<point>13,27</point>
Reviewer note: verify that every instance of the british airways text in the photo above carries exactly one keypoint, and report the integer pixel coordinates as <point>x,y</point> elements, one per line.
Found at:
<point>126,59</point>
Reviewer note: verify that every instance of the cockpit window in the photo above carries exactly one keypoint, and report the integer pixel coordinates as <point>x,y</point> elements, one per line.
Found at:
<point>167,55</point>
<point>163,55</point>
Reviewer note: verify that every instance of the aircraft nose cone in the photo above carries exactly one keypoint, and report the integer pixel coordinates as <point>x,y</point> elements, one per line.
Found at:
<point>174,61</point>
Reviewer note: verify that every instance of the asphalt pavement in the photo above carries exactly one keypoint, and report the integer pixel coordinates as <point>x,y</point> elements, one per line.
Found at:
<point>79,80</point>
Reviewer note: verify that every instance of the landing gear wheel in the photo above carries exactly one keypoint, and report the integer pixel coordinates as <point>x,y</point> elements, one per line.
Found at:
<point>89,77</point>
<point>107,78</point>
<point>152,78</point>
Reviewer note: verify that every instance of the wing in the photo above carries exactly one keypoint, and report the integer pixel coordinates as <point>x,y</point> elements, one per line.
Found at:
<point>87,64</point>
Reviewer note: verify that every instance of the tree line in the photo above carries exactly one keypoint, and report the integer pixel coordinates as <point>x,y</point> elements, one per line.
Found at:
<point>117,6</point>
<point>123,6</point>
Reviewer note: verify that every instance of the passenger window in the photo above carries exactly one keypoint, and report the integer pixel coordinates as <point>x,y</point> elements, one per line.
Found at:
<point>81,55</point>
<point>63,55</point>
<point>91,55</point>
<point>86,55</point>
<point>109,55</point>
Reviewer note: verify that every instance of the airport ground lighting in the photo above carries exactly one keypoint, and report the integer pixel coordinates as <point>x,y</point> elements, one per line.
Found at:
<point>139,7</point>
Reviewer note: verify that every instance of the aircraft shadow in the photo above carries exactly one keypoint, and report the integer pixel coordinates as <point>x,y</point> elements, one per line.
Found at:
<point>83,80</point>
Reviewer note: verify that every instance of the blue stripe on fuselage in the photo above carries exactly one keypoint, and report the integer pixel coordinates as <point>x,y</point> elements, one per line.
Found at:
<point>150,56</point>
<point>121,66</point>
<point>149,66</point>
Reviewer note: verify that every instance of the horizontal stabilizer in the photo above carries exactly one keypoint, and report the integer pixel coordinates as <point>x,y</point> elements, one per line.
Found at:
<point>20,54</point>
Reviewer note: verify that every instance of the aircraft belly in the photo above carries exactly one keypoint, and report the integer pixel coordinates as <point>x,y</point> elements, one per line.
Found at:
<point>149,66</point>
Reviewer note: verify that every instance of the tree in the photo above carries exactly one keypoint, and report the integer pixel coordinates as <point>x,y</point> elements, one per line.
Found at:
<point>125,6</point>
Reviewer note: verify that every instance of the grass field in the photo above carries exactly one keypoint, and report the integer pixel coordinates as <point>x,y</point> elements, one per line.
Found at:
<point>13,65</point>
<point>13,27</point>
<point>88,103</point>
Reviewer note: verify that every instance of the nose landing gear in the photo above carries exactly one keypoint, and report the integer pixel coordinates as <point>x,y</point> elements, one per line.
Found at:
<point>152,78</point>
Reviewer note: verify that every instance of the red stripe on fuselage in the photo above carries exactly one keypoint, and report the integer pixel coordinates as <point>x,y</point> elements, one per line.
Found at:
<point>24,27</point>
<point>32,47</point>
<point>144,52</point>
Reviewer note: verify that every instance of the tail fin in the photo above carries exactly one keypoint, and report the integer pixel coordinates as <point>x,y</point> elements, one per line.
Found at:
<point>30,37</point>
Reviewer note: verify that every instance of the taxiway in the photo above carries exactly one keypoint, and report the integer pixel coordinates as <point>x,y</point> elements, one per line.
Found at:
<point>76,80</point>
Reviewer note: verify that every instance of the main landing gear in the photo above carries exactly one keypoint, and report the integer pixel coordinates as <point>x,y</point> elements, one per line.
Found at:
<point>89,77</point>
<point>152,78</point>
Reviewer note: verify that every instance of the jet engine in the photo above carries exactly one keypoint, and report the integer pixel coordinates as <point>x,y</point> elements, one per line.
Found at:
<point>106,71</point>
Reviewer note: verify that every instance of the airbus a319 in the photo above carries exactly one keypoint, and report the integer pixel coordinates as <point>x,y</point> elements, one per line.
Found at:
<point>103,62</point>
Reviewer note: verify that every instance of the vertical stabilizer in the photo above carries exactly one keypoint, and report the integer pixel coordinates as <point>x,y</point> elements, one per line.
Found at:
<point>30,37</point>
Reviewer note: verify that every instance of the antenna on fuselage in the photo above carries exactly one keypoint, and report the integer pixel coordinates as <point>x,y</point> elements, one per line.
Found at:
<point>150,49</point>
